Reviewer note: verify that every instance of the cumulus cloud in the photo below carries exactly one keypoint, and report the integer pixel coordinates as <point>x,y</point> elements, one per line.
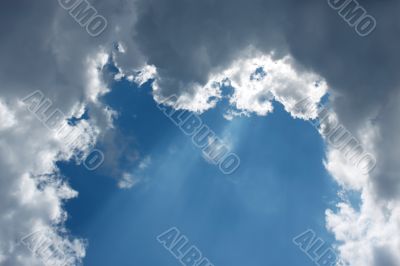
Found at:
<point>258,79</point>
<point>368,236</point>
<point>32,190</point>
<point>44,49</point>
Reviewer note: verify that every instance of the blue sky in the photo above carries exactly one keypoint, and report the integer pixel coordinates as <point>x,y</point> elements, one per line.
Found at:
<point>280,190</point>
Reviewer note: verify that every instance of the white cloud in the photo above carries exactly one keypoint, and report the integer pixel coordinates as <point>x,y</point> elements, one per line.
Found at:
<point>31,190</point>
<point>64,63</point>
<point>127,181</point>
<point>7,118</point>
<point>259,79</point>
<point>130,179</point>
<point>202,98</point>
<point>95,87</point>
<point>145,163</point>
<point>368,234</point>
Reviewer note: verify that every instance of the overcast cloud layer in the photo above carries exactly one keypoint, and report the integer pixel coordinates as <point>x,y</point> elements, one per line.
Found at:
<point>191,44</point>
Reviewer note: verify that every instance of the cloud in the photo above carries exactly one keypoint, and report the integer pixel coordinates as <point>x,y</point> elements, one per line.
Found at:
<point>145,163</point>
<point>44,49</point>
<point>368,236</point>
<point>127,181</point>
<point>258,79</point>
<point>32,190</point>
<point>7,118</point>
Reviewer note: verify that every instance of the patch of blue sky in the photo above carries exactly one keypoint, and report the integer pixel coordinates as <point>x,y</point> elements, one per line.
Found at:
<point>248,218</point>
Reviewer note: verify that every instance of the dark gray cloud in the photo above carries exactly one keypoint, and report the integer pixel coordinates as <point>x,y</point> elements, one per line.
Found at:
<point>43,47</point>
<point>187,40</point>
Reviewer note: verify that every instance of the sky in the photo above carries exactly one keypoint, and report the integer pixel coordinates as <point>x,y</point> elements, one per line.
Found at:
<point>249,217</point>
<point>101,102</point>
